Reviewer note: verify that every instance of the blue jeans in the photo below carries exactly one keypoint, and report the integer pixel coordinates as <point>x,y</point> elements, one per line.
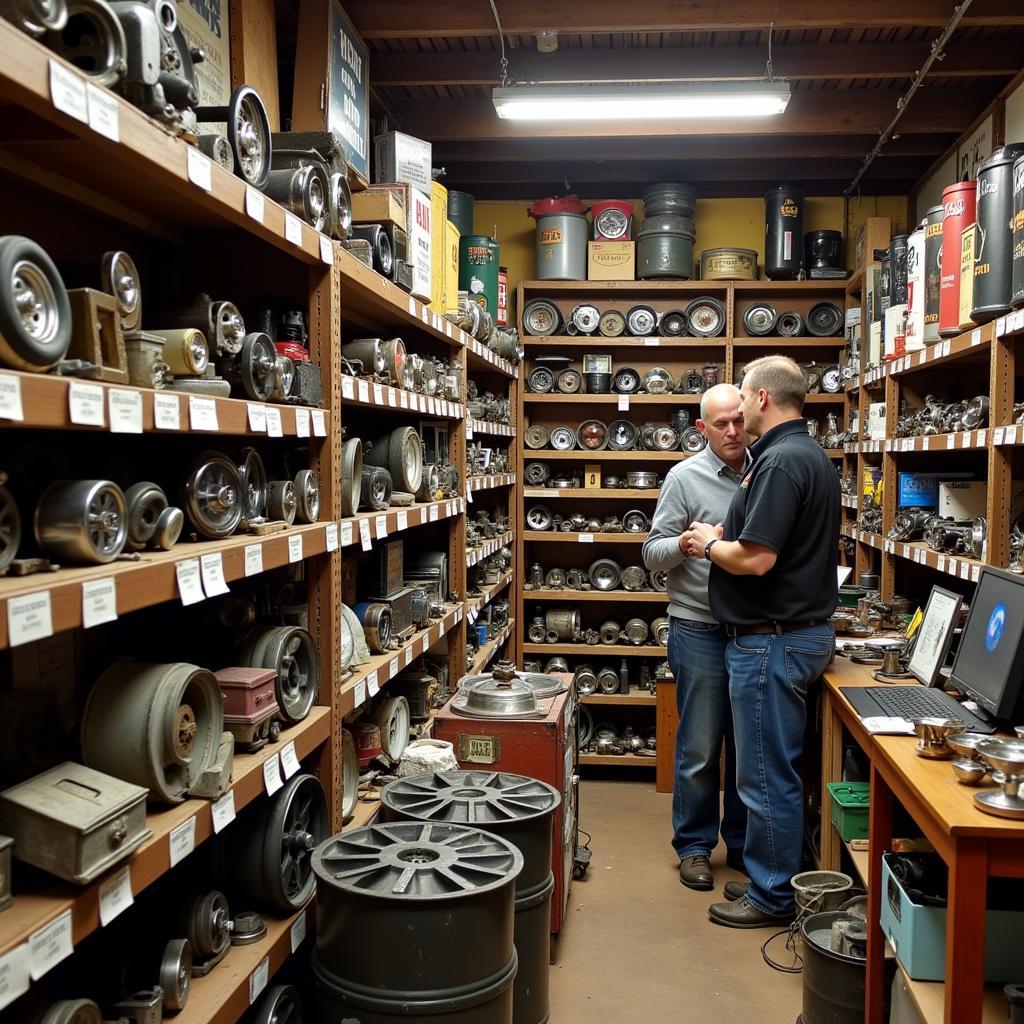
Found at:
<point>696,655</point>
<point>768,678</point>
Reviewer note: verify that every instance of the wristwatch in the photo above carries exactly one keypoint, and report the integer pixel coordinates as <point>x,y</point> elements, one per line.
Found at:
<point>710,544</point>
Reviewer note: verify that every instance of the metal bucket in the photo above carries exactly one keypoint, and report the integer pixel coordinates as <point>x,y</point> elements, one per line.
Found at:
<point>562,247</point>
<point>833,989</point>
<point>728,264</point>
<point>669,198</point>
<point>664,248</point>
<point>783,233</point>
<point>449,945</point>
<point>479,258</point>
<point>460,211</point>
<point>993,241</point>
<point>958,202</point>
<point>933,272</point>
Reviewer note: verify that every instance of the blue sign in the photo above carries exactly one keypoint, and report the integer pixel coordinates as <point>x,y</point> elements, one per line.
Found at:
<point>348,109</point>
<point>995,627</point>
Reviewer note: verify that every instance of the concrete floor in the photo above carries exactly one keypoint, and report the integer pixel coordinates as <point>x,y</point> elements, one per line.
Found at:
<point>637,946</point>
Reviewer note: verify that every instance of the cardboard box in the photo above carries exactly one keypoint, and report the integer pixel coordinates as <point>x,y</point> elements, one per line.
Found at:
<point>895,332</point>
<point>420,244</point>
<point>876,421</point>
<point>450,267</point>
<point>963,499</point>
<point>611,261</point>
<point>875,343</point>
<point>378,205</point>
<point>438,220</point>
<point>399,157</point>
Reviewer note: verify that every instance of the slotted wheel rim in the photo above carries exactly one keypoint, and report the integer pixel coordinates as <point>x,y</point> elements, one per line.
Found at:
<point>251,141</point>
<point>302,824</point>
<point>35,301</point>
<point>214,495</point>
<point>254,485</point>
<point>295,677</point>
<point>307,489</point>
<point>316,201</point>
<point>10,528</point>
<point>105,521</point>
<point>472,797</point>
<point>280,1006</point>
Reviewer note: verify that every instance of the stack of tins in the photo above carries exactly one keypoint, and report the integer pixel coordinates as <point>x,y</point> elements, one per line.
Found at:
<point>958,206</point>
<point>515,808</point>
<point>664,243</point>
<point>562,231</point>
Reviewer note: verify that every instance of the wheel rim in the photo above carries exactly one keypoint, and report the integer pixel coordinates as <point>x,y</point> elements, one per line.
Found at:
<point>541,380</point>
<point>537,473</point>
<point>541,318</point>
<point>259,362</point>
<point>35,301</point>
<point>105,521</point>
<point>316,201</point>
<point>562,439</point>
<point>121,278</point>
<point>214,497</point>
<point>250,138</point>
<point>307,488</point>
<point>230,328</point>
<point>611,324</point>
<point>10,528</point>
<point>281,1005</point>
<point>302,825</point>
<point>296,676</point>
<point>539,518</point>
<point>254,486</point>
<point>641,321</point>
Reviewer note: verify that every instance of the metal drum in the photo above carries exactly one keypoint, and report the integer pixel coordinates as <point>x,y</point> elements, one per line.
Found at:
<point>728,265</point>
<point>520,810</point>
<point>958,203</point>
<point>823,250</point>
<point>562,247</point>
<point>669,198</point>
<point>460,211</point>
<point>933,272</point>
<point>993,241</point>
<point>664,248</point>
<point>1017,281</point>
<point>479,256</point>
<point>416,890</point>
<point>783,233</point>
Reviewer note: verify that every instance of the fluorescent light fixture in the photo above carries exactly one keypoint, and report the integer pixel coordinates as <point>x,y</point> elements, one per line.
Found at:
<point>665,101</point>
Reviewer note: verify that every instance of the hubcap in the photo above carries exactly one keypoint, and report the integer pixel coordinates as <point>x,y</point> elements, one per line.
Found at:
<point>34,300</point>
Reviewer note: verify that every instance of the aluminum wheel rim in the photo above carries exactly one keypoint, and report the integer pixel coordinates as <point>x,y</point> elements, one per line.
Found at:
<point>254,486</point>
<point>10,528</point>
<point>297,674</point>
<point>789,324</point>
<point>759,320</point>
<point>281,1005</point>
<point>315,201</point>
<point>35,301</point>
<point>259,365</point>
<point>176,973</point>
<point>349,775</point>
<point>229,328</point>
<point>120,278</point>
<point>213,496</point>
<point>250,139</point>
<point>825,319</point>
<point>635,521</point>
<point>705,320</point>
<point>307,492</point>
<point>304,823</point>
<point>106,522</point>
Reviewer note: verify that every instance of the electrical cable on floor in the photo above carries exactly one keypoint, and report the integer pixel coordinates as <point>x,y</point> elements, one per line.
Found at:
<point>798,961</point>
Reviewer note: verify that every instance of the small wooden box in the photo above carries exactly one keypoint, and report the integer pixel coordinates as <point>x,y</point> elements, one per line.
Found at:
<point>611,261</point>
<point>592,475</point>
<point>380,204</point>
<point>247,691</point>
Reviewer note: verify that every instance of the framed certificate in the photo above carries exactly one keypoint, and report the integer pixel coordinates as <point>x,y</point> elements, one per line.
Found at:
<point>931,645</point>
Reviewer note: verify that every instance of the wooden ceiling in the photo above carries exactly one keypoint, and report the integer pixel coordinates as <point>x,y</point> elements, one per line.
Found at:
<point>433,64</point>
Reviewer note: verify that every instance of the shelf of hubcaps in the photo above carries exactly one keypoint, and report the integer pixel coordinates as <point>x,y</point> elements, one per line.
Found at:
<point>40,400</point>
<point>919,552</point>
<point>565,594</point>
<point>629,493</point>
<point>380,525</point>
<point>487,427</point>
<point>480,357</point>
<point>382,396</point>
<point>487,652</point>
<point>366,680</point>
<point>592,340</point>
<point>617,650</point>
<point>474,555</point>
<point>619,760</point>
<point>61,907</point>
<point>145,169</point>
<point>625,401</point>
<point>635,697</point>
<point>553,536</point>
<point>490,481</point>
<point>37,606</point>
<point>575,454</point>
<point>474,605</point>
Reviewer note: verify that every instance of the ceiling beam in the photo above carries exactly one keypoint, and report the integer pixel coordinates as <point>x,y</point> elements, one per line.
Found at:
<point>966,58</point>
<point>401,19</point>
<point>812,112</point>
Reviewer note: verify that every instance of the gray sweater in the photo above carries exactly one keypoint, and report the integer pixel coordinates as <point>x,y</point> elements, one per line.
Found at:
<point>697,489</point>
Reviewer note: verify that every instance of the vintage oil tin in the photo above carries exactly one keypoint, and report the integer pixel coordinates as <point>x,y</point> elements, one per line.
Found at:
<point>728,264</point>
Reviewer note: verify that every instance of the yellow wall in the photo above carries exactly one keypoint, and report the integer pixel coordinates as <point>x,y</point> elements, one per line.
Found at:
<point>719,222</point>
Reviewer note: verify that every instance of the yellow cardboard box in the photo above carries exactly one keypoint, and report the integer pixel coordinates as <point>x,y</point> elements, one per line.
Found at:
<point>611,261</point>
<point>438,249</point>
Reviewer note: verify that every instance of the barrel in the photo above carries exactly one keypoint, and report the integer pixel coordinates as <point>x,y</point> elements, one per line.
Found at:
<point>479,256</point>
<point>1017,296</point>
<point>669,198</point>
<point>932,272</point>
<point>562,247</point>
<point>516,808</point>
<point>993,241</point>
<point>823,250</point>
<point>460,211</point>
<point>783,233</point>
<point>958,215</point>
<point>728,264</point>
<point>898,270</point>
<point>409,928</point>
<point>915,291</point>
<point>664,247</point>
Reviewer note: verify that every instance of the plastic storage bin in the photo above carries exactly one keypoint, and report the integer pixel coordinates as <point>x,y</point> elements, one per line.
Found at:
<point>850,804</point>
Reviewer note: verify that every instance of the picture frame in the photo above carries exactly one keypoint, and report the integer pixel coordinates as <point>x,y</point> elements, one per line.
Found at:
<point>934,636</point>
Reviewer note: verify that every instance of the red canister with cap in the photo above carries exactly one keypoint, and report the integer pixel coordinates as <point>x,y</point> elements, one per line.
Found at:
<point>612,220</point>
<point>958,203</point>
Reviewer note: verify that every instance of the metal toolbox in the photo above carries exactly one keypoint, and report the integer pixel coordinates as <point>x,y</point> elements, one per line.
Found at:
<point>403,620</point>
<point>251,732</point>
<point>6,842</point>
<point>73,821</point>
<point>247,691</point>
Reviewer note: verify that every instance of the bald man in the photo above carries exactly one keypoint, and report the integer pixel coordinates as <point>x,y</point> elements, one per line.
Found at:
<point>701,488</point>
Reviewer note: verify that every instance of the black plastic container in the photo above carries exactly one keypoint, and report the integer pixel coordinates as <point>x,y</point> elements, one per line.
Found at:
<point>823,250</point>
<point>898,247</point>
<point>598,383</point>
<point>783,233</point>
<point>993,240</point>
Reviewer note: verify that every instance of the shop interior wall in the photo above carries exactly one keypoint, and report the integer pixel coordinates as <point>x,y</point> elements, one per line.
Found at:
<point>719,222</point>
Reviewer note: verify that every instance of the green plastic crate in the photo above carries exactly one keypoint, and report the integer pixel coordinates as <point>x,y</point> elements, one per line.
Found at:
<point>850,803</point>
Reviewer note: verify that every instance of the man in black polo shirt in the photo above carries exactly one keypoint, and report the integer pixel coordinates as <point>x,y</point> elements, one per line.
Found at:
<point>773,585</point>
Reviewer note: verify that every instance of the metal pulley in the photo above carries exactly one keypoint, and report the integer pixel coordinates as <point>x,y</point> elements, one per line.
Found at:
<point>349,775</point>
<point>824,320</point>
<point>71,1011</point>
<point>83,521</point>
<point>255,489</point>
<point>282,501</point>
<point>367,352</point>
<point>563,439</point>
<point>214,496</point>
<point>256,367</point>
<point>218,149</point>
<point>307,496</point>
<point>400,452</point>
<point>674,323</point>
<point>93,41</point>
<point>120,277</point>
<point>760,319</point>
<point>176,974</point>
<point>145,503</point>
<point>291,653</point>
<point>339,206</point>
<point>659,438</point>
<point>281,1004</point>
<point>185,351</point>
<point>790,324</point>
<point>351,475</point>
<point>604,574</point>
<point>248,134</point>
<point>302,191</point>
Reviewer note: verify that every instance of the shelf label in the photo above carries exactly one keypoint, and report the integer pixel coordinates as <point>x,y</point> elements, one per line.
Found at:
<point>431,407</point>
<point>975,337</point>
<point>190,586</point>
<point>950,441</point>
<point>274,427</point>
<point>10,398</point>
<point>364,534</point>
<point>166,411</point>
<point>272,780</point>
<point>331,536</point>
<point>371,684</point>
<point>289,759</point>
<point>412,306</point>
<point>258,979</point>
<point>104,113</point>
<point>469,431</point>
<point>434,513</point>
<point>623,403</point>
<point>49,945</point>
<point>85,404</point>
<point>652,342</point>
<point>380,525</point>
<point>301,422</point>
<point>1011,434</point>
<point>346,533</point>
<point>926,443</point>
<point>348,387</point>
<point>222,811</point>
<point>212,571</point>
<point>585,538</point>
<point>125,411</point>
<point>14,974</point>
<point>257,416</point>
<point>99,602</point>
<point>298,931</point>
<point>407,655</point>
<point>997,436</point>
<point>319,422</point>
<point>363,390</point>
<point>253,559</point>
<point>67,92</point>
<point>254,203</point>
<point>965,571</point>
<point>393,668</point>
<point>422,515</point>
<point>392,400</point>
<point>200,169</point>
<point>295,548</point>
<point>29,617</point>
<point>1000,326</point>
<point>182,840</point>
<point>378,394</point>
<point>403,399</point>
<point>202,413</point>
<point>326,251</point>
<point>447,509</point>
<point>293,228</point>
<point>360,693</point>
<point>940,563</point>
<point>975,573</point>
<point>402,521</point>
<point>116,895</point>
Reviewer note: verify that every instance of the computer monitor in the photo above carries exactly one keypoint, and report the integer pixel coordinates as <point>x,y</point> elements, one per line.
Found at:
<point>989,664</point>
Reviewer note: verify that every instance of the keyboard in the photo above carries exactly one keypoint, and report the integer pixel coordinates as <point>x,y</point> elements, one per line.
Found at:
<point>911,702</point>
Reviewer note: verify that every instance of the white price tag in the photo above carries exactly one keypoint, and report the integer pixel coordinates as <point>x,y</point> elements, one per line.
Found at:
<point>272,780</point>
<point>423,515</point>
<point>182,840</point>
<point>407,655</point>
<point>402,521</point>
<point>363,390</point>
<point>469,431</point>
<point>104,115</point>
<point>29,617</point>
<point>950,441</point>
<point>292,228</point>
<point>584,538</point>
<point>223,811</point>
<point>940,563</point>
<point>257,415</point>
<point>975,573</point>
<point>289,759</point>
<point>15,976</point>
<point>945,348</point>
<point>274,425</point>
<point>166,411</point>
<point>393,668</point>
<point>371,684</point>
<point>623,403</point>
<point>85,404</point>
<point>378,394</point>
<point>200,169</point>
<point>447,509</point>
<point>432,407</point>
<point>380,526</point>
<point>926,443</point>
<point>99,602</point>
<point>295,548</point>
<point>326,251</point>
<point>392,398</point>
<point>1011,435</point>
<point>259,978</point>
<point>116,895</point>
<point>652,341</point>
<point>348,387</point>
<point>403,399</point>
<point>412,306</point>
<point>10,398</point>
<point>1000,326</point>
<point>421,403</point>
<point>301,422</point>
<point>49,945</point>
<point>298,931</point>
<point>67,92</point>
<point>997,436</point>
<point>448,328</point>
<point>360,693</point>
<point>976,337</point>
<point>202,413</point>
<point>319,422</point>
<point>254,203</point>
<point>364,534</point>
<point>331,536</point>
<point>212,570</point>
<point>965,571</point>
<point>125,411</point>
<point>190,586</point>
<point>253,559</point>
<point>346,534</point>
<point>434,513</point>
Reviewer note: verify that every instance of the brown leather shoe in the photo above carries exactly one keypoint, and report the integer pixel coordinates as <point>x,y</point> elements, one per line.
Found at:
<point>743,914</point>
<point>734,890</point>
<point>695,873</point>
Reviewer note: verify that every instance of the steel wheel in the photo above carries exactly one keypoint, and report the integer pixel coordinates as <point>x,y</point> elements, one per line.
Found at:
<point>592,436</point>
<point>255,488</point>
<point>35,315</point>
<point>706,316</point>
<point>36,17</point>
<point>281,1005</point>
<point>612,324</point>
<point>563,439</point>
<point>393,718</point>
<point>290,651</point>
<point>376,488</point>
<point>72,1011</point>
<point>340,203</point>
<point>539,518</point>
<point>214,496</point>
<point>349,775</point>
<point>176,973</point>
<point>93,41</point>
<point>257,366</point>
<point>760,319</point>
<point>351,475</point>
<point>207,924</point>
<point>635,521</point>
<point>641,321</point>
<point>145,504</point>
<point>626,381</point>
<point>541,317</point>
<point>10,529</point>
<point>622,435</point>
<point>120,278</point>
<point>307,494</point>
<point>249,135</point>
<point>82,521</point>
<point>541,380</point>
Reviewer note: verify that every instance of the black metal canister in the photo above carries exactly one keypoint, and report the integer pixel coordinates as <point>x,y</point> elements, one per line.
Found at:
<point>898,270</point>
<point>932,271</point>
<point>783,233</point>
<point>993,240</point>
<point>1017,298</point>
<point>823,250</point>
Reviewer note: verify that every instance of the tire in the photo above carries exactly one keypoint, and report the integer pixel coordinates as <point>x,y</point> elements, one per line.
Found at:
<point>405,459</point>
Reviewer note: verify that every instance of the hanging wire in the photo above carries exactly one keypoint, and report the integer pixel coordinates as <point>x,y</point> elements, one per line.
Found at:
<point>768,70</point>
<point>501,39</point>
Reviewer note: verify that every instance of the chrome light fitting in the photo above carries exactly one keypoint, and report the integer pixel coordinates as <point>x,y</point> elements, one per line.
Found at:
<point>663,101</point>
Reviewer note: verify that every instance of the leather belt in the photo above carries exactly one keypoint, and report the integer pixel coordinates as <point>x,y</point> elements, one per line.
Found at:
<point>771,627</point>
